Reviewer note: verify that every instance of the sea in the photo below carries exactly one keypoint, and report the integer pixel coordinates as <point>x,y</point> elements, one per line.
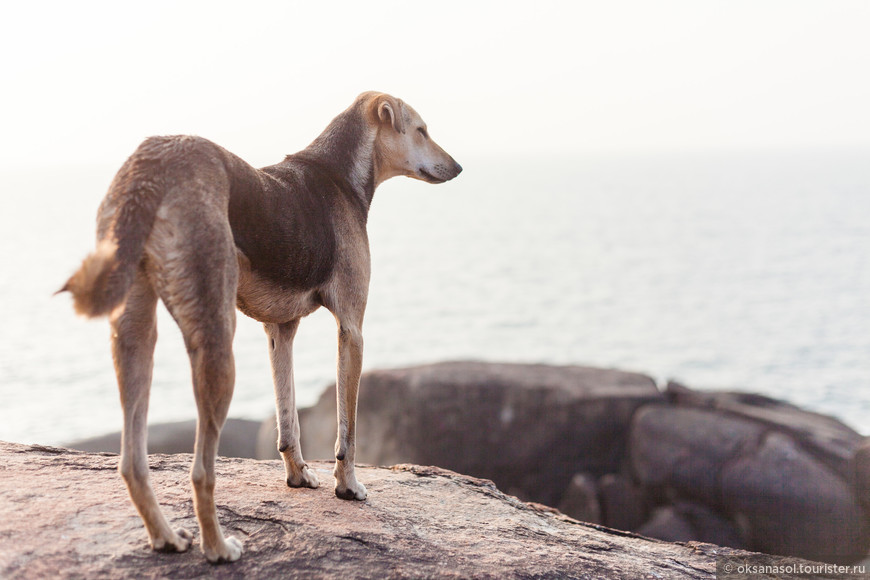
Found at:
<point>742,271</point>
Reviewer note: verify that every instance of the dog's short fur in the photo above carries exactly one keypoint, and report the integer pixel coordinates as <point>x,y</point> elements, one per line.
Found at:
<point>189,223</point>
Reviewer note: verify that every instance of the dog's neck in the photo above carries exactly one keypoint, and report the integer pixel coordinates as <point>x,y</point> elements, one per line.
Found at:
<point>346,149</point>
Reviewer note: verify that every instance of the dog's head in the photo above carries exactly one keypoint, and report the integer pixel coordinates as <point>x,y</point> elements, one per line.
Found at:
<point>402,143</point>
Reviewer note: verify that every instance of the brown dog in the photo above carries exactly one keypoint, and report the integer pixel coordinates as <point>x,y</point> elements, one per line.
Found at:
<point>189,223</point>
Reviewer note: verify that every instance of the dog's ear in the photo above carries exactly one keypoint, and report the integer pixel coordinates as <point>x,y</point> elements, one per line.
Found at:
<point>392,110</point>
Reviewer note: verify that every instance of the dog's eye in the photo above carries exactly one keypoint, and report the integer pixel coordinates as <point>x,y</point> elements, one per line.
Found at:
<point>423,132</point>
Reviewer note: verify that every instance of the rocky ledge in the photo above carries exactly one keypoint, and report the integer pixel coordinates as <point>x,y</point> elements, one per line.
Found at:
<point>65,514</point>
<point>606,447</point>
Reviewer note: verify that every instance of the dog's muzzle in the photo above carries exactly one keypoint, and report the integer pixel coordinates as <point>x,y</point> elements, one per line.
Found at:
<point>439,173</point>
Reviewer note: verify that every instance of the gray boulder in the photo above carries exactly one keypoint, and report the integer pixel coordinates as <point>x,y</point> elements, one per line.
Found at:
<point>795,505</point>
<point>529,428</point>
<point>684,450</point>
<point>624,504</point>
<point>792,503</point>
<point>667,524</point>
<point>861,473</point>
<point>580,500</point>
<point>687,521</point>
<point>827,439</point>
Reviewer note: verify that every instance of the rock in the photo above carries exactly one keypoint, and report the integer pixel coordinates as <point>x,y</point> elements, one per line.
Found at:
<point>794,505</point>
<point>830,441</point>
<point>65,514</point>
<point>861,473</point>
<point>580,499</point>
<point>623,504</point>
<point>686,521</point>
<point>710,526</point>
<point>238,439</point>
<point>668,524</point>
<point>685,449</point>
<point>793,480</point>
<point>529,428</point>
<point>267,439</point>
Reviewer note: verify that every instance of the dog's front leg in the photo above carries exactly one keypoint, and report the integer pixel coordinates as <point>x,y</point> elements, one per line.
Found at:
<point>281,355</point>
<point>350,349</point>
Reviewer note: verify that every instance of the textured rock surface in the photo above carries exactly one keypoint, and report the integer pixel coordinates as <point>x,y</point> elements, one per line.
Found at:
<point>65,514</point>
<point>529,428</point>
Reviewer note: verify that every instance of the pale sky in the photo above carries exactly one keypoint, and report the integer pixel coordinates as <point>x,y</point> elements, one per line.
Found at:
<point>84,82</point>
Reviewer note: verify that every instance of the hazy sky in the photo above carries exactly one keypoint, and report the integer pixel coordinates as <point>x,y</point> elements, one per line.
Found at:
<point>84,82</point>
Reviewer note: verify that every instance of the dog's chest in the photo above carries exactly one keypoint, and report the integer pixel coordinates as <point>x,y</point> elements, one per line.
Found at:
<point>263,300</point>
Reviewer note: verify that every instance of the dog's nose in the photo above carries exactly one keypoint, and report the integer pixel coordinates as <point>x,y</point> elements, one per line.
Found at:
<point>457,168</point>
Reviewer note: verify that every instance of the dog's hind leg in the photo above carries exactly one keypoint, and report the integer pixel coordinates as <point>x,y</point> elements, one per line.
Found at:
<point>281,355</point>
<point>207,321</point>
<point>211,360</point>
<point>134,333</point>
<point>196,269</point>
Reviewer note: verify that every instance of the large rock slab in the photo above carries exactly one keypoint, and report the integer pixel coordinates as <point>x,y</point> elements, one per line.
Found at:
<point>529,428</point>
<point>65,514</point>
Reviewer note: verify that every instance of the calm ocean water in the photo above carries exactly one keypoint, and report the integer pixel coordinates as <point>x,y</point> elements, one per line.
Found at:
<point>747,272</point>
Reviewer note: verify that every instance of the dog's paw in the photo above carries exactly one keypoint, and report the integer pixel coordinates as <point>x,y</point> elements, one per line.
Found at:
<point>304,478</point>
<point>230,551</point>
<point>351,490</point>
<point>179,541</point>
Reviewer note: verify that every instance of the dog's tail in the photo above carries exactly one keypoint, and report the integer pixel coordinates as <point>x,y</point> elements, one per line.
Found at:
<point>105,277</point>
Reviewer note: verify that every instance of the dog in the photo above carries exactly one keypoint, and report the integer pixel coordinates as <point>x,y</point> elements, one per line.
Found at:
<point>189,223</point>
